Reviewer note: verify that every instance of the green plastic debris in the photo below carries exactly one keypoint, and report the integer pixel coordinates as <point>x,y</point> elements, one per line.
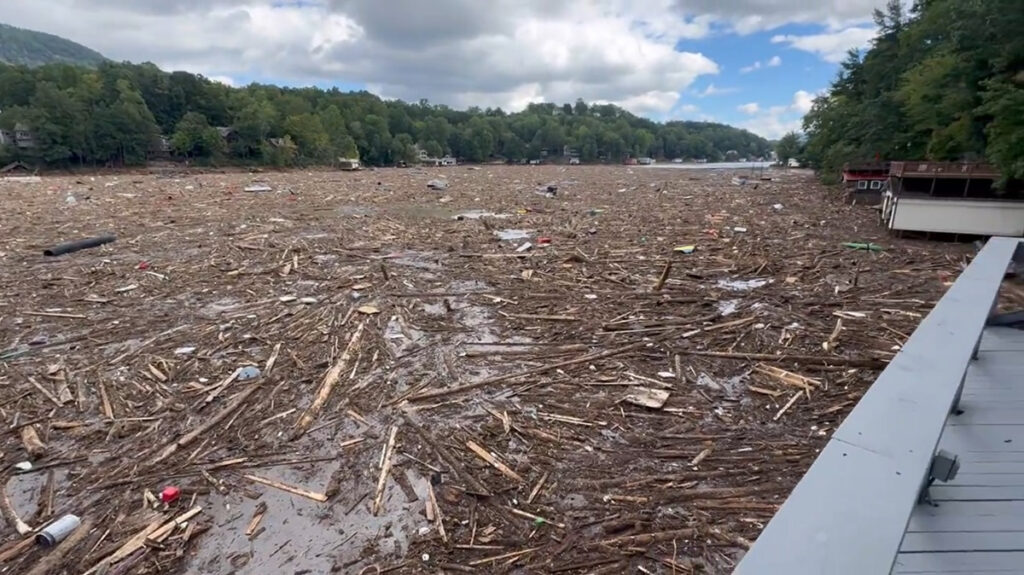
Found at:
<point>863,246</point>
<point>539,521</point>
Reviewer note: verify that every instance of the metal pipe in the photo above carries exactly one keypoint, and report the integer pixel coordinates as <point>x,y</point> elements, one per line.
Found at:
<point>68,247</point>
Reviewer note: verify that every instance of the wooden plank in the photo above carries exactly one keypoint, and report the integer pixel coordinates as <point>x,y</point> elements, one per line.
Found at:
<point>486,456</point>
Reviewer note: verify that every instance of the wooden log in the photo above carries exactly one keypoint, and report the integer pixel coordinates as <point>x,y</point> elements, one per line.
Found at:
<point>457,469</point>
<point>318,497</point>
<point>385,468</point>
<point>156,530</point>
<point>486,456</point>
<point>646,538</point>
<point>10,515</point>
<point>664,276</point>
<point>798,359</point>
<point>438,516</point>
<point>30,440</point>
<point>327,386</point>
<point>202,429</point>
<point>526,373</point>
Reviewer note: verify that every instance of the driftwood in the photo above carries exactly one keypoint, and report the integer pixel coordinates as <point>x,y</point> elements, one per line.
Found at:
<point>188,438</point>
<point>526,373</point>
<point>788,358</point>
<point>327,386</point>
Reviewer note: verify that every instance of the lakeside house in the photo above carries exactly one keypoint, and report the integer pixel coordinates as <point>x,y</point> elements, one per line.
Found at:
<point>425,158</point>
<point>952,198</point>
<point>864,182</point>
<point>348,164</point>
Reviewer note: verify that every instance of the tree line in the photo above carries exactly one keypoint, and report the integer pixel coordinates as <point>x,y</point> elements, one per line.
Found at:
<point>944,82</point>
<point>117,113</point>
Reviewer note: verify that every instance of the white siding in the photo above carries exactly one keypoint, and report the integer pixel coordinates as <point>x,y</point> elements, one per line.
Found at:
<point>977,217</point>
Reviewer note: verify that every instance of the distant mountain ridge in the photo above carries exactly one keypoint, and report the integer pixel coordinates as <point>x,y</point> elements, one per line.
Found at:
<point>30,48</point>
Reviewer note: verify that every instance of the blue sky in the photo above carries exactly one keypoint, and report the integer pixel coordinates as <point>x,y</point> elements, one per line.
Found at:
<point>752,63</point>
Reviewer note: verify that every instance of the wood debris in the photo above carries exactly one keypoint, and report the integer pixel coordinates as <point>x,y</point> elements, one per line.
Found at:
<point>397,343</point>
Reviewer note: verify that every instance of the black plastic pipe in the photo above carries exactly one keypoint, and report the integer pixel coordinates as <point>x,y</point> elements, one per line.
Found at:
<point>68,247</point>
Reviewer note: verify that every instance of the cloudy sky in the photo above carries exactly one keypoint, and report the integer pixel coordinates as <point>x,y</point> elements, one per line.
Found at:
<point>751,63</point>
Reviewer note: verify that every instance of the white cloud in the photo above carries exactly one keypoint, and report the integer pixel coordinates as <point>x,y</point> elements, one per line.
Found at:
<point>772,63</point>
<point>751,108</point>
<point>501,53</point>
<point>802,101</point>
<point>654,102</point>
<point>748,16</point>
<point>459,52</point>
<point>751,68</point>
<point>829,46</point>
<point>226,80</point>
<point>777,121</point>
<point>713,90</point>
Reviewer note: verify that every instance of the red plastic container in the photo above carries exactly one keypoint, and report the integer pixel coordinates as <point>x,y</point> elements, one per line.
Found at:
<point>170,494</point>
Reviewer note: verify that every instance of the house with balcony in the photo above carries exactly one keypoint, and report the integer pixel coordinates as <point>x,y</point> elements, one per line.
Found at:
<point>964,198</point>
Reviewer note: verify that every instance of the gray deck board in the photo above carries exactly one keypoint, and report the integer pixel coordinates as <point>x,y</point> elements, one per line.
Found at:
<point>971,562</point>
<point>977,525</point>
<point>1002,339</point>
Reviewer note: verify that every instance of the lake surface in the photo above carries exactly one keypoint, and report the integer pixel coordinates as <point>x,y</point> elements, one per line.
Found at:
<point>715,166</point>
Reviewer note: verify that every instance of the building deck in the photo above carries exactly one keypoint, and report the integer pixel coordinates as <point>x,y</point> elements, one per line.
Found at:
<point>977,523</point>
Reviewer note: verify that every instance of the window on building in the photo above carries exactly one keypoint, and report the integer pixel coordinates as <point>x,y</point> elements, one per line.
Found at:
<point>876,184</point>
<point>862,185</point>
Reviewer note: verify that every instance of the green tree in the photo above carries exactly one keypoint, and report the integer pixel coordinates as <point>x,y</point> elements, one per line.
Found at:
<point>939,83</point>
<point>195,138</point>
<point>788,147</point>
<point>403,149</point>
<point>279,152</point>
<point>309,135</point>
<point>253,123</point>
<point>433,149</point>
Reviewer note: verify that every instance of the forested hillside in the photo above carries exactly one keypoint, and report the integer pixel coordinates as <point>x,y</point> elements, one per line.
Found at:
<point>115,113</point>
<point>944,82</point>
<point>29,48</point>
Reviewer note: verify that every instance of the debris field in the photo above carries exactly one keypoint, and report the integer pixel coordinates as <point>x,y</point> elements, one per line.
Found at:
<point>513,370</point>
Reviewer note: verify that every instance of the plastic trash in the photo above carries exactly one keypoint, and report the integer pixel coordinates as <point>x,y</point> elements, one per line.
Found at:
<point>685,249</point>
<point>437,185</point>
<point>58,531</point>
<point>862,246</point>
<point>170,494</point>
<point>70,199</point>
<point>248,372</point>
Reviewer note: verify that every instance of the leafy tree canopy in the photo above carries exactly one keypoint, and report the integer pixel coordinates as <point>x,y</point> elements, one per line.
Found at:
<point>117,113</point>
<point>943,82</point>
